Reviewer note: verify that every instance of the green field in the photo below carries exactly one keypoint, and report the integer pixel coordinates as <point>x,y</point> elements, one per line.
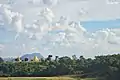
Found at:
<point>43,78</point>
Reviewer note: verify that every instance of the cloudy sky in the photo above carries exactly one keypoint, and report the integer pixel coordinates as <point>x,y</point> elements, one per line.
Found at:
<point>59,27</point>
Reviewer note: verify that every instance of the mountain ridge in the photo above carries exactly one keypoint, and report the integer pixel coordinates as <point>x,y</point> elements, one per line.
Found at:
<point>29,56</point>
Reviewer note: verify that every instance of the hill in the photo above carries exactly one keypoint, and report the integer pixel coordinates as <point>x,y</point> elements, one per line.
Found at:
<point>31,56</point>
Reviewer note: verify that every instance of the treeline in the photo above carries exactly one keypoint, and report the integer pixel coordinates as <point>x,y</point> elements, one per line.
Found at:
<point>107,67</point>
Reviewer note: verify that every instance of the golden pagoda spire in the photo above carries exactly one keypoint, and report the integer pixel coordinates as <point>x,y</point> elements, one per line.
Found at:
<point>35,59</point>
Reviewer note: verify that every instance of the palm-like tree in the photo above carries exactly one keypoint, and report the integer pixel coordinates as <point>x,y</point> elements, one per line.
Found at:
<point>56,58</point>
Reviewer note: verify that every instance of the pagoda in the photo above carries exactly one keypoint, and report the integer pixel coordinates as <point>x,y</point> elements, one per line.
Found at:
<point>35,59</point>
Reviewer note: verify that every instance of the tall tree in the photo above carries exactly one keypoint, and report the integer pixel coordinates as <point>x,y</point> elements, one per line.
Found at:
<point>26,59</point>
<point>56,58</point>
<point>49,57</point>
<point>1,59</point>
<point>74,57</point>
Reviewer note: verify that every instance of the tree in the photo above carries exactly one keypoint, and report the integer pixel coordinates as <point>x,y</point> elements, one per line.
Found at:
<point>74,57</point>
<point>26,59</point>
<point>81,57</point>
<point>102,66</point>
<point>56,58</point>
<point>66,60</point>
<point>18,59</point>
<point>49,57</point>
<point>1,60</point>
<point>82,60</point>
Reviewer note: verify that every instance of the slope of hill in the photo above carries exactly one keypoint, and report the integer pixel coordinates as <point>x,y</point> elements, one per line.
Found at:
<point>31,56</point>
<point>8,59</point>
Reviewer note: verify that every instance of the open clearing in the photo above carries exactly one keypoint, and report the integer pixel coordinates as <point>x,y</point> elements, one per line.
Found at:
<point>43,78</point>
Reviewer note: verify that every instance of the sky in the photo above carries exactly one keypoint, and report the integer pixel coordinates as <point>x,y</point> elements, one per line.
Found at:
<point>59,27</point>
<point>97,25</point>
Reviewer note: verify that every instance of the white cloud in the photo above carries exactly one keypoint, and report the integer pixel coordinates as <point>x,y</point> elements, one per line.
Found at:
<point>10,18</point>
<point>75,9</point>
<point>1,46</point>
<point>50,2</point>
<point>57,29</point>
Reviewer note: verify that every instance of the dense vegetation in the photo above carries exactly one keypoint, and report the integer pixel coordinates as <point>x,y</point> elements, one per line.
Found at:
<point>107,67</point>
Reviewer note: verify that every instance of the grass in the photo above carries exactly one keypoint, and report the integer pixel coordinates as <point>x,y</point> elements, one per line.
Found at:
<point>44,78</point>
<point>37,78</point>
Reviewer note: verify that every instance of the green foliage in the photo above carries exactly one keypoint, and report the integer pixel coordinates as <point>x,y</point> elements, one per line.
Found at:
<point>1,60</point>
<point>102,66</point>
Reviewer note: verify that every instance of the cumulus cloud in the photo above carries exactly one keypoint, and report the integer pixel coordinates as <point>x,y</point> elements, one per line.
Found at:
<point>47,14</point>
<point>1,47</point>
<point>50,2</point>
<point>10,18</point>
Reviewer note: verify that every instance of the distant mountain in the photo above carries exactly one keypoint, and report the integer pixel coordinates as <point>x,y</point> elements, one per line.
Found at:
<point>31,56</point>
<point>9,59</point>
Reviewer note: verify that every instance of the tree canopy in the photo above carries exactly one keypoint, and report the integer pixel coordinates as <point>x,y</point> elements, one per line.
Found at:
<point>1,60</point>
<point>101,66</point>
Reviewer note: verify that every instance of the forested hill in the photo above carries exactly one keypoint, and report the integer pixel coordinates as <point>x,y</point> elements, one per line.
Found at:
<point>107,67</point>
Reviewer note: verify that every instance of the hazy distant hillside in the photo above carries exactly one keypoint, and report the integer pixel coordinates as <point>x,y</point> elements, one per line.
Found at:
<point>31,56</point>
<point>8,59</point>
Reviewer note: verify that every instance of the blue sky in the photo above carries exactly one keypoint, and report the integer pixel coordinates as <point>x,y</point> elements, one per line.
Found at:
<point>97,25</point>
